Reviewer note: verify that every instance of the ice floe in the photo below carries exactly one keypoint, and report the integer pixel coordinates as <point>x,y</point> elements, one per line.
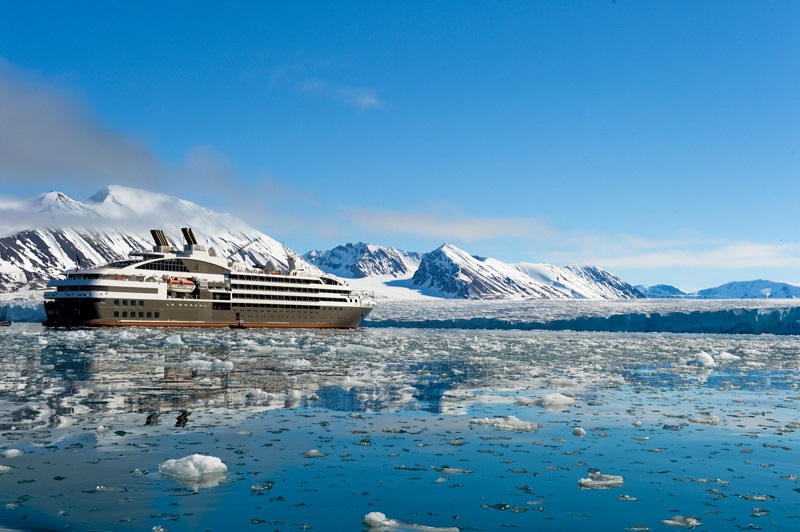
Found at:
<point>314,453</point>
<point>682,521</point>
<point>196,470</point>
<point>379,521</point>
<point>710,420</point>
<point>598,480</point>
<point>507,423</point>
<point>556,401</point>
<point>704,360</point>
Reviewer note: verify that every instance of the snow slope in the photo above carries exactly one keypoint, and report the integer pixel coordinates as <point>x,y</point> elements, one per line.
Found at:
<point>751,290</point>
<point>662,291</point>
<point>453,273</point>
<point>56,233</point>
<point>365,260</point>
<point>450,272</point>
<point>581,282</point>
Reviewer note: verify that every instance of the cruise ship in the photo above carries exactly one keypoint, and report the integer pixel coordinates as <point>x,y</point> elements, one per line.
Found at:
<point>195,287</point>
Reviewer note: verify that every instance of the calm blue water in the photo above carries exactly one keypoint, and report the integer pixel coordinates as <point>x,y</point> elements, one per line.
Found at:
<point>320,429</point>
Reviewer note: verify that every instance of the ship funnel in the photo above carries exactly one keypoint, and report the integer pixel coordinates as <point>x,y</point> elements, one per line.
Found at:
<point>162,244</point>
<point>191,242</point>
<point>188,235</point>
<point>159,238</point>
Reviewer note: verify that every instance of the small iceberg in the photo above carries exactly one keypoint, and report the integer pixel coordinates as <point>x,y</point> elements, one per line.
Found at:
<point>682,521</point>
<point>196,470</point>
<point>598,480</point>
<point>704,360</point>
<point>556,401</point>
<point>711,420</point>
<point>378,521</point>
<point>507,423</point>
<point>11,453</point>
<point>314,453</point>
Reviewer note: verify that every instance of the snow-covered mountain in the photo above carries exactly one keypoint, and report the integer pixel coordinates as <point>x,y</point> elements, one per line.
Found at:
<point>662,291</point>
<point>43,236</point>
<point>453,273</point>
<point>759,289</point>
<point>581,282</point>
<point>365,260</point>
<point>54,232</point>
<point>449,272</point>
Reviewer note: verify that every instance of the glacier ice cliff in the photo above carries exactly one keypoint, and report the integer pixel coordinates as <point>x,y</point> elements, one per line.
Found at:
<point>713,317</point>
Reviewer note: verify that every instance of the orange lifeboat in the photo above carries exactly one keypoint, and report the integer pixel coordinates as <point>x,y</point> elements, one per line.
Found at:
<point>181,284</point>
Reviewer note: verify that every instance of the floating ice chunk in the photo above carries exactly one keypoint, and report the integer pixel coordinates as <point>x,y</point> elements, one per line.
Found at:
<point>507,423</point>
<point>259,394</point>
<point>196,469</point>
<point>637,424</point>
<point>175,339</point>
<point>196,363</point>
<point>101,429</point>
<point>11,453</point>
<point>598,480</point>
<point>524,401</point>
<point>704,360</point>
<point>314,453</point>
<point>297,363</point>
<point>379,520</point>
<point>615,381</point>
<point>556,401</point>
<point>682,521</point>
<point>579,432</point>
<point>293,398</point>
<point>4,468</point>
<point>793,424</point>
<point>725,356</point>
<point>221,365</point>
<point>711,420</point>
<point>447,470</point>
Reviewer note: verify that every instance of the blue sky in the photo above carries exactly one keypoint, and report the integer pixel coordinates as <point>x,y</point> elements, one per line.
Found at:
<point>658,140</point>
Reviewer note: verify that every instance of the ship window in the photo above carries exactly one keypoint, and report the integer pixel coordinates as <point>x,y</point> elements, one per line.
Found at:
<point>116,314</point>
<point>116,302</point>
<point>141,303</point>
<point>149,314</point>
<point>141,314</point>
<point>125,314</point>
<point>157,315</point>
<point>167,265</point>
<point>124,302</point>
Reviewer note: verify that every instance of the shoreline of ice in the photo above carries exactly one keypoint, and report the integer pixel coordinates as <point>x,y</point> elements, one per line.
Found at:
<point>732,316</point>
<point>781,317</point>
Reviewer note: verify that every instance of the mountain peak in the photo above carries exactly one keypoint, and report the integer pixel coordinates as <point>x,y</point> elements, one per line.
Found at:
<point>364,260</point>
<point>55,202</point>
<point>114,222</point>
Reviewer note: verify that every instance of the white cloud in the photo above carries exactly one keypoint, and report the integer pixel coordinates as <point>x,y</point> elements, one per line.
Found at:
<point>361,98</point>
<point>735,255</point>
<point>692,252</point>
